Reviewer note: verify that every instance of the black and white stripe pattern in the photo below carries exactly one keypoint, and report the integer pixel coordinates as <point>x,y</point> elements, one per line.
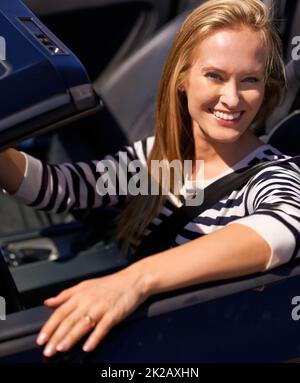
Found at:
<point>269,203</point>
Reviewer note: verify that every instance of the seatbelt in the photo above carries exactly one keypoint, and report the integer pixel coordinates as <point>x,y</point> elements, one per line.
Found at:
<point>163,236</point>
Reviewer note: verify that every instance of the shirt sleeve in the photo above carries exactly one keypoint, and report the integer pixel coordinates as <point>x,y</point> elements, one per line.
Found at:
<point>65,187</point>
<point>273,211</point>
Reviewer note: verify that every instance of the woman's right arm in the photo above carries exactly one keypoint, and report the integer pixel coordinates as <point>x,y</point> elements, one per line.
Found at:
<point>65,187</point>
<point>12,169</point>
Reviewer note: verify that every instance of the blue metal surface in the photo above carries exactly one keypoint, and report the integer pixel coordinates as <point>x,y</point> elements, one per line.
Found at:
<point>34,79</point>
<point>251,326</point>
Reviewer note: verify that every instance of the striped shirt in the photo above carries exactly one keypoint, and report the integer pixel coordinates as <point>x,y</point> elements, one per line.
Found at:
<point>269,203</point>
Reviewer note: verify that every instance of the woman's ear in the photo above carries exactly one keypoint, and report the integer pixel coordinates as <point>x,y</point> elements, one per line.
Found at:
<point>181,84</point>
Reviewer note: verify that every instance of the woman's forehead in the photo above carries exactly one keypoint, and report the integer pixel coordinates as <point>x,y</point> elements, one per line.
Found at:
<point>232,49</point>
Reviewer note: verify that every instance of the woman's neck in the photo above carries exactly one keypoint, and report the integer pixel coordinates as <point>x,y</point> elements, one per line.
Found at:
<point>219,157</point>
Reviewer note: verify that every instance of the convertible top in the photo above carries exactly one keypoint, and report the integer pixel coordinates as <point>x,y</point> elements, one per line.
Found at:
<point>52,85</point>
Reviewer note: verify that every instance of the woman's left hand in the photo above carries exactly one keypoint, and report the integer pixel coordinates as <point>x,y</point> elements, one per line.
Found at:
<point>96,304</point>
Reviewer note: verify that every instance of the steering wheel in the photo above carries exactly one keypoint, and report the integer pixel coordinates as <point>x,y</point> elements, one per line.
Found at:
<point>8,288</point>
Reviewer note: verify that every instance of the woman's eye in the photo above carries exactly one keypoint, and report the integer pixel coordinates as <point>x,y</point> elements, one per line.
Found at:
<point>213,76</point>
<point>251,79</point>
<point>217,77</point>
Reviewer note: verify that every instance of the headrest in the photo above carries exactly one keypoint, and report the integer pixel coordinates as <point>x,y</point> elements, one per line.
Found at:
<point>296,64</point>
<point>285,106</point>
<point>286,135</point>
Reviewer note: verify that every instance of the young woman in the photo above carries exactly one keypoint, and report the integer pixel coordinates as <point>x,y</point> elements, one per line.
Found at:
<point>224,72</point>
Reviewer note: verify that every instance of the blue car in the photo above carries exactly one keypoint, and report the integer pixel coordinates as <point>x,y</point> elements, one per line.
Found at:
<point>63,96</point>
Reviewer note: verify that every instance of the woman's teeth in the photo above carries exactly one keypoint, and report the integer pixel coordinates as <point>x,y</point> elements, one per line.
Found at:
<point>226,116</point>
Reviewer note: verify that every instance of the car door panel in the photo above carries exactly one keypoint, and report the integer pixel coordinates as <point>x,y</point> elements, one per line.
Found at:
<point>238,320</point>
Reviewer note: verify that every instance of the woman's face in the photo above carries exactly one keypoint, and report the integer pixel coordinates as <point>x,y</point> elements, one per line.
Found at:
<point>225,84</point>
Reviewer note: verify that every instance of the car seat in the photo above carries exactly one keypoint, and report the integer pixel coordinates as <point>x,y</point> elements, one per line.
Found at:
<point>282,128</point>
<point>130,91</point>
<point>290,99</point>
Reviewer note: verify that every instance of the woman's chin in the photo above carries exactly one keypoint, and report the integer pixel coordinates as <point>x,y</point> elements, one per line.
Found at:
<point>227,138</point>
<point>219,134</point>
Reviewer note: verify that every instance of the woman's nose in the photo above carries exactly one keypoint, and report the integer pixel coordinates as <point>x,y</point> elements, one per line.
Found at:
<point>230,96</point>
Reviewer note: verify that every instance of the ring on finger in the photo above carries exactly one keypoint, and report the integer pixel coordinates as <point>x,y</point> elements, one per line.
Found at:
<point>90,320</point>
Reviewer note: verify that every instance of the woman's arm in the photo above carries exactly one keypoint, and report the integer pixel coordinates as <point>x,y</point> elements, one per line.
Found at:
<point>232,251</point>
<point>65,187</point>
<point>229,252</point>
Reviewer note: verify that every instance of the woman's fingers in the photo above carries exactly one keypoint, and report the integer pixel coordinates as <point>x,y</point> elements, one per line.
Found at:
<point>61,297</point>
<point>116,314</point>
<point>61,332</point>
<point>85,324</point>
<point>54,321</point>
<point>77,325</point>
<point>107,322</point>
<point>68,335</point>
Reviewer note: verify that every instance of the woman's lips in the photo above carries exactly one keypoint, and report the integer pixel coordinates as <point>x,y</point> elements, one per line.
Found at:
<point>226,119</point>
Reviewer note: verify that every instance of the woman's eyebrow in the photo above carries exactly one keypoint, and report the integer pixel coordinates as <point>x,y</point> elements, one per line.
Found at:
<point>255,72</point>
<point>206,68</point>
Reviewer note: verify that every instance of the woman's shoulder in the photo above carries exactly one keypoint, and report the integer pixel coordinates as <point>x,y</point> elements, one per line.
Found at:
<point>276,169</point>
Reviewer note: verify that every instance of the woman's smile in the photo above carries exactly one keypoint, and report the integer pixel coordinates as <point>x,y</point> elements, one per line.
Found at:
<point>226,118</point>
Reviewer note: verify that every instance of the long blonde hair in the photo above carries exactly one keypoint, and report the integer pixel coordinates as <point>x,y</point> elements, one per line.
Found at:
<point>173,129</point>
